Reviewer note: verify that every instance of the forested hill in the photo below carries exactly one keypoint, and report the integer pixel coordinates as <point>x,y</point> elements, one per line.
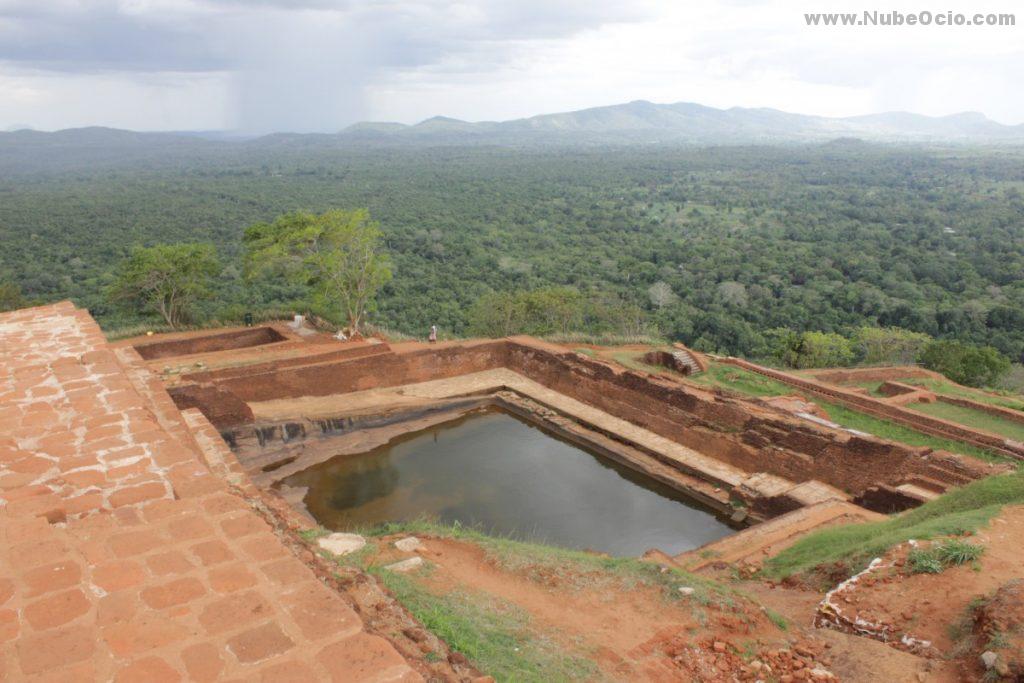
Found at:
<point>744,239</point>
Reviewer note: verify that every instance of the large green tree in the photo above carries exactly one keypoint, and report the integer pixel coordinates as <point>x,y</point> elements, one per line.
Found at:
<point>338,254</point>
<point>968,364</point>
<point>10,297</point>
<point>168,279</point>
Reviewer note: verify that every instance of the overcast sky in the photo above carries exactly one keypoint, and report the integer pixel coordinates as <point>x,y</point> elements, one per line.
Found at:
<point>318,65</point>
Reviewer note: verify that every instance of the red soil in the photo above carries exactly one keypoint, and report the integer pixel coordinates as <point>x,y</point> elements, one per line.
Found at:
<point>632,634</point>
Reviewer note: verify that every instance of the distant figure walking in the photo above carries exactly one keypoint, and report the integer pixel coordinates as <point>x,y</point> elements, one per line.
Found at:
<point>433,334</point>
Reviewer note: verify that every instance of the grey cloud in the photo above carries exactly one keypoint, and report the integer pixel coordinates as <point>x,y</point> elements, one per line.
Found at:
<point>296,64</point>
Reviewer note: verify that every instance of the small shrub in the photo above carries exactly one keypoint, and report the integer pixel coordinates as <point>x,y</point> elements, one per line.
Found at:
<point>925,561</point>
<point>956,552</point>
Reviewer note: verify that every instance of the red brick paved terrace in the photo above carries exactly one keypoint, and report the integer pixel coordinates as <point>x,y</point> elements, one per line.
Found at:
<point>124,557</point>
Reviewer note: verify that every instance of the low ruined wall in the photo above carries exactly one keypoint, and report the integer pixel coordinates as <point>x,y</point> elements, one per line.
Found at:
<point>379,370</point>
<point>221,407</point>
<point>998,411</point>
<point>334,355</point>
<point>238,339</point>
<point>881,374</point>
<point>867,404</point>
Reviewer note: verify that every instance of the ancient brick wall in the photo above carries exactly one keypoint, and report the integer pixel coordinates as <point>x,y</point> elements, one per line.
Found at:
<point>237,339</point>
<point>872,406</point>
<point>880,374</point>
<point>734,431</point>
<point>738,432</point>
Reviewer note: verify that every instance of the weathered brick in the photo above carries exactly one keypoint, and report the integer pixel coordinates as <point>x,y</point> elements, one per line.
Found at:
<point>147,670</point>
<point>288,672</point>
<point>259,643</point>
<point>362,657</point>
<point>223,503</point>
<point>175,592</point>
<point>10,626</point>
<point>52,577</point>
<point>169,562</point>
<point>118,575</point>
<point>57,610</point>
<point>243,525</point>
<point>234,610</point>
<point>190,527</point>
<point>144,632</point>
<point>231,578</point>
<point>36,552</point>
<point>55,649</point>
<point>203,662</point>
<point>132,543</point>
<point>263,547</point>
<point>6,590</point>
<point>319,612</point>
<point>287,571</point>
<point>212,552</point>
<point>137,494</point>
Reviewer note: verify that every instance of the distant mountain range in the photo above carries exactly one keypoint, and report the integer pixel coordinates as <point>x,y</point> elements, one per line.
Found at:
<point>637,122</point>
<point>643,121</point>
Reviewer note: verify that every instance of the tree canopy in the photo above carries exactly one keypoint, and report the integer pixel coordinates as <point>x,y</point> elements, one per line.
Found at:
<point>337,254</point>
<point>167,278</point>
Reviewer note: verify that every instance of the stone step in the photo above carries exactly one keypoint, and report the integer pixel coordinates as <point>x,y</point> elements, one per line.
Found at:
<point>918,492</point>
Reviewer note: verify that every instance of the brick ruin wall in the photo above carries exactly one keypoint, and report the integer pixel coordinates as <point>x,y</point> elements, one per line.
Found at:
<point>998,411</point>
<point>737,432</point>
<point>881,374</point>
<point>872,406</point>
<point>238,339</point>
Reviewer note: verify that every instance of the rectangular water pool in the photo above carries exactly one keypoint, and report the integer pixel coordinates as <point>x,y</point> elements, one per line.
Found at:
<point>508,477</point>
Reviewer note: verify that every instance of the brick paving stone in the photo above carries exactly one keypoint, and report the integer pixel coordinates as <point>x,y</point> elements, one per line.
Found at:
<point>364,658</point>
<point>169,562</point>
<point>143,632</point>
<point>203,662</point>
<point>119,575</point>
<point>147,670</point>
<point>52,577</point>
<point>228,613</point>
<point>55,649</point>
<point>259,643</point>
<point>56,610</point>
<point>319,612</point>
<point>212,552</point>
<point>288,672</point>
<point>231,578</point>
<point>173,593</point>
<point>122,556</point>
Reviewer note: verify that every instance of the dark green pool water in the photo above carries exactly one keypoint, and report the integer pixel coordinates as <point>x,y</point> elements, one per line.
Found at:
<point>505,476</point>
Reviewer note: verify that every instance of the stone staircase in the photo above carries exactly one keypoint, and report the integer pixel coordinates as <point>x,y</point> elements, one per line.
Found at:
<point>684,359</point>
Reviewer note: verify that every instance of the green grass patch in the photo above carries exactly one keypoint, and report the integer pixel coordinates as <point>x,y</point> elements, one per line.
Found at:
<point>951,553</point>
<point>942,386</point>
<point>753,384</point>
<point>494,635</point>
<point>882,428</point>
<point>958,512</point>
<point>742,381</point>
<point>925,561</point>
<point>956,552</point>
<point>972,418</point>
